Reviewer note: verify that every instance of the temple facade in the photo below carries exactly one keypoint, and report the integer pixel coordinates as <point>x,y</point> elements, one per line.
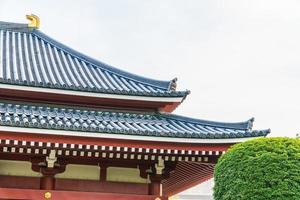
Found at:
<point>72,127</point>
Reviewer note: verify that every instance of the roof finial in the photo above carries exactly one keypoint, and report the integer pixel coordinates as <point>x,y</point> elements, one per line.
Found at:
<point>173,84</point>
<point>250,123</point>
<point>34,21</point>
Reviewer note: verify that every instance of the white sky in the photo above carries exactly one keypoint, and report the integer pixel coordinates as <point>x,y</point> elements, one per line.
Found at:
<point>240,59</point>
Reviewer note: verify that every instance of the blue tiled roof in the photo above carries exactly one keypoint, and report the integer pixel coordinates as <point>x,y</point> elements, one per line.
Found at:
<point>29,57</point>
<point>130,123</point>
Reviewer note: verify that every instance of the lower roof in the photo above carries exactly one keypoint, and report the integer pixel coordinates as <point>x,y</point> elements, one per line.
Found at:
<point>84,122</point>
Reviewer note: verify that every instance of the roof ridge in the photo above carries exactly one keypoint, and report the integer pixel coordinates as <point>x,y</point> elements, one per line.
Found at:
<point>104,66</point>
<point>20,27</point>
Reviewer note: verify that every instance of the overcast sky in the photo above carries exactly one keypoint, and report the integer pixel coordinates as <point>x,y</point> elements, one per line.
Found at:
<point>240,59</point>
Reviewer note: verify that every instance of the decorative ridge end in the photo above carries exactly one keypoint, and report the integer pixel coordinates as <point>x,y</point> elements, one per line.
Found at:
<point>266,132</point>
<point>187,92</point>
<point>34,21</point>
<point>173,84</point>
<point>250,123</point>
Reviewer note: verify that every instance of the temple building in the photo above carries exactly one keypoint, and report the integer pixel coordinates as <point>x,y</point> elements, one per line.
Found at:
<point>72,127</point>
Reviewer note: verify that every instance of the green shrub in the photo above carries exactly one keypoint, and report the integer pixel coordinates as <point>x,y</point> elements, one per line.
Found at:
<point>259,169</point>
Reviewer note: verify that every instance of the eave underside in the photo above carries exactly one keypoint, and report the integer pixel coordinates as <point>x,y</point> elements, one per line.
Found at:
<point>186,167</point>
<point>88,100</point>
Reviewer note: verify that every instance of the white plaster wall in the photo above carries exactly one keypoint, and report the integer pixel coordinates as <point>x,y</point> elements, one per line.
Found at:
<point>199,192</point>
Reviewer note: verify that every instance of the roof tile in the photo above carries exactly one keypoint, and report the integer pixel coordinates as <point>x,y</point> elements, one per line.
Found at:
<point>112,122</point>
<point>29,57</point>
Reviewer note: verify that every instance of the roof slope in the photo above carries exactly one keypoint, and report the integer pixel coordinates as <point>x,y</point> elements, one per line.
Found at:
<point>29,57</point>
<point>113,122</point>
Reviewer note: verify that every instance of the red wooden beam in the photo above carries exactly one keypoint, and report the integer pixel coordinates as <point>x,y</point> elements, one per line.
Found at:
<point>19,182</point>
<point>112,142</point>
<point>84,101</point>
<point>7,193</point>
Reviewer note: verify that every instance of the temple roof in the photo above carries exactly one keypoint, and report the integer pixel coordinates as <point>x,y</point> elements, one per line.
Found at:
<point>125,123</point>
<point>30,58</point>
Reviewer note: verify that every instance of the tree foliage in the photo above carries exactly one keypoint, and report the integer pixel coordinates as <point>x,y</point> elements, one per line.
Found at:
<point>259,169</point>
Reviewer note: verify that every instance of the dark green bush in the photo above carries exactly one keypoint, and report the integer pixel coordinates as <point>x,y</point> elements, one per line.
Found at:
<point>259,169</point>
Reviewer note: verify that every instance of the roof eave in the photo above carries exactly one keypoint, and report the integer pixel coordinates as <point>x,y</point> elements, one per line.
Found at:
<point>125,137</point>
<point>93,100</point>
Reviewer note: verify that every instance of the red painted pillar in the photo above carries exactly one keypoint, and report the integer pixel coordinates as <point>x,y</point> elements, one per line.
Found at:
<point>103,173</point>
<point>155,186</point>
<point>47,182</point>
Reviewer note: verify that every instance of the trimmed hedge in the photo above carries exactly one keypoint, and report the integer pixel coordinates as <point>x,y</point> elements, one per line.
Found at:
<point>259,169</point>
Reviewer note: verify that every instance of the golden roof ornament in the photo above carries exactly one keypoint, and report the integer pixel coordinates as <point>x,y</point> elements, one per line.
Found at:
<point>34,21</point>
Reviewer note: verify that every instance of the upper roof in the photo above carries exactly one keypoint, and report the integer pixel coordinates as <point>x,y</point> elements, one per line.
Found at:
<point>30,58</point>
<point>120,122</point>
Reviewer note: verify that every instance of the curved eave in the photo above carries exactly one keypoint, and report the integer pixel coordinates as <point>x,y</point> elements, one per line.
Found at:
<point>246,125</point>
<point>93,100</point>
<point>182,94</point>
<point>128,137</point>
<point>92,94</point>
